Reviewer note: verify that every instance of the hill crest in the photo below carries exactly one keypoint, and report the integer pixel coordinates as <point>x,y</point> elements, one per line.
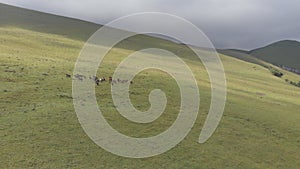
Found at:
<point>283,53</point>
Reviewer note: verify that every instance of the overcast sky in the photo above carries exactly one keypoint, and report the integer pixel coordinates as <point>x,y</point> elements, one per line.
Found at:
<point>244,24</point>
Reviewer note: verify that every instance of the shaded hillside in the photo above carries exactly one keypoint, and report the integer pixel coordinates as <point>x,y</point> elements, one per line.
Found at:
<point>242,55</point>
<point>282,53</point>
<point>69,27</point>
<point>42,22</point>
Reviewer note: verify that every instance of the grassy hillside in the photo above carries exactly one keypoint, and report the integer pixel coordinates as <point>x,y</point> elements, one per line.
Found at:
<point>39,127</point>
<point>243,55</point>
<point>280,53</point>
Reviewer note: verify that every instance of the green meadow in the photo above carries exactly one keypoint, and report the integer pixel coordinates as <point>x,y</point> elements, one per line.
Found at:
<point>39,127</point>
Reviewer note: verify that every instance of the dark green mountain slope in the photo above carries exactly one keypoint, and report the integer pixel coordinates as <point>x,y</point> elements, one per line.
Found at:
<point>282,53</point>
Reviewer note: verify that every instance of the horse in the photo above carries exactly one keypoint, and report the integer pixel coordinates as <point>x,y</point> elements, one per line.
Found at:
<point>68,76</point>
<point>102,79</point>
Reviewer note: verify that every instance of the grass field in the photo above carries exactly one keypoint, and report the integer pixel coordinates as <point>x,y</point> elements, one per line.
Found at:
<point>39,128</point>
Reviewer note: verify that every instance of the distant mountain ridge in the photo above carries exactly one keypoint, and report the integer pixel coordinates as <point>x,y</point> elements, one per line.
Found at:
<point>285,54</point>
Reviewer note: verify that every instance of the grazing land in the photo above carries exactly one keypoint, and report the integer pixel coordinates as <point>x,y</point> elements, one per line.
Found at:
<point>39,128</point>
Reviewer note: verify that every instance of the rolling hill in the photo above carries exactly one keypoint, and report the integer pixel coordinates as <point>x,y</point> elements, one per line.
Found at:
<point>39,127</point>
<point>282,53</point>
<point>243,55</point>
<point>42,22</point>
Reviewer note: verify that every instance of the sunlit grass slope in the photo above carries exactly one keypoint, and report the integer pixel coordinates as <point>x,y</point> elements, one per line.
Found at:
<point>39,127</point>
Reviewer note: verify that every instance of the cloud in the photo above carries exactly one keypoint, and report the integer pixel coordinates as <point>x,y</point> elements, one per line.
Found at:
<point>243,24</point>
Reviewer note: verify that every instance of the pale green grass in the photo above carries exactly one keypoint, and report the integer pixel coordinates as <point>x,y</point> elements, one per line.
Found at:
<point>39,128</point>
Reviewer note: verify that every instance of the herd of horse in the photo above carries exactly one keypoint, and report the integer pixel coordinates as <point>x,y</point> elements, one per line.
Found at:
<point>98,80</point>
